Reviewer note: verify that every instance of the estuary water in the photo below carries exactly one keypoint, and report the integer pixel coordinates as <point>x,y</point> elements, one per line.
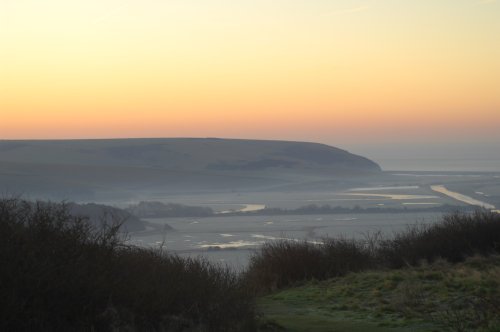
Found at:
<point>462,198</point>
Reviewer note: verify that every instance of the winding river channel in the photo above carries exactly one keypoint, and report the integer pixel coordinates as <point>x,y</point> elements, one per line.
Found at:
<point>463,198</point>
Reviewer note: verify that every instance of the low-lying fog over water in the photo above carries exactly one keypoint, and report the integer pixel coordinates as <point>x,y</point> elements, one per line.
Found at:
<point>437,156</point>
<point>247,192</point>
<point>232,239</point>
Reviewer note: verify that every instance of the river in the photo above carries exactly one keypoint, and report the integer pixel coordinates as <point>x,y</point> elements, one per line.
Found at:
<point>463,198</point>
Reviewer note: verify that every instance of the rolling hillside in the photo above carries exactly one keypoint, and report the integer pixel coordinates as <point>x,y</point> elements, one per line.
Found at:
<point>71,168</point>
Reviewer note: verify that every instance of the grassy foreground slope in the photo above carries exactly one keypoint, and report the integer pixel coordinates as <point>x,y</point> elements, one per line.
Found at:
<point>436,297</point>
<point>439,277</point>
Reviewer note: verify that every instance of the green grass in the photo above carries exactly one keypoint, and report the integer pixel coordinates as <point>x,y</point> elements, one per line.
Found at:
<point>436,297</point>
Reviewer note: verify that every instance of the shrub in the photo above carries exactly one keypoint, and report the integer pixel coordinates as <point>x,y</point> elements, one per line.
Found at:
<point>282,263</point>
<point>60,273</point>
<point>454,238</point>
<point>457,236</point>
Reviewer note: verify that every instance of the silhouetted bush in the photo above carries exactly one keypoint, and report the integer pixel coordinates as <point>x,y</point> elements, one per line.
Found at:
<point>59,273</point>
<point>285,262</point>
<point>454,238</point>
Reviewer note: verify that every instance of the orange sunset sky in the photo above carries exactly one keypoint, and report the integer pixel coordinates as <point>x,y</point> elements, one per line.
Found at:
<point>318,70</point>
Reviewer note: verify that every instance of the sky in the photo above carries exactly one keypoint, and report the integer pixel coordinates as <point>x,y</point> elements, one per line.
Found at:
<point>346,73</point>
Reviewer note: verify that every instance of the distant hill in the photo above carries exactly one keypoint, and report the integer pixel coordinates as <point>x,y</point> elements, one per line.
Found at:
<point>169,210</point>
<point>186,154</point>
<point>97,214</point>
<point>82,167</point>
